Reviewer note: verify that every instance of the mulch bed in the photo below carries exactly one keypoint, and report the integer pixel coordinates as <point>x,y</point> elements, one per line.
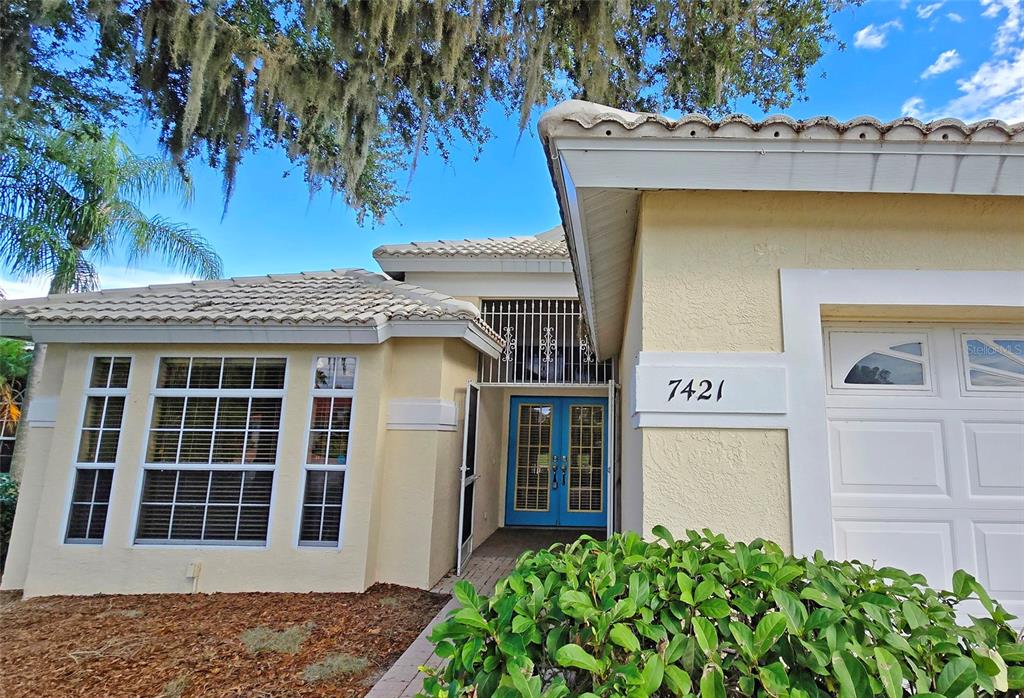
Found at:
<point>191,645</point>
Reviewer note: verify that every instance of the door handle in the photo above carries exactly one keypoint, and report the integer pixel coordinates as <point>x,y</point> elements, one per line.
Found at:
<point>565,468</point>
<point>554,473</point>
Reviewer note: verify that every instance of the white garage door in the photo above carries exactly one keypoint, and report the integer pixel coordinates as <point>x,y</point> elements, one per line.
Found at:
<point>926,438</point>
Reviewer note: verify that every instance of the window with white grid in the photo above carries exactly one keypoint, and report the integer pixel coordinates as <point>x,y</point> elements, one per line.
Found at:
<point>104,409</point>
<point>211,413</point>
<point>330,426</point>
<point>90,500</point>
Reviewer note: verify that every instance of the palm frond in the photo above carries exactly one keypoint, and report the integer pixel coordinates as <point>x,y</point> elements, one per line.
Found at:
<point>74,274</point>
<point>177,244</point>
<point>70,198</point>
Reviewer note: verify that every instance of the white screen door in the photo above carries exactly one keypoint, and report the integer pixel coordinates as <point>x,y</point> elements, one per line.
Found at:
<point>469,476</point>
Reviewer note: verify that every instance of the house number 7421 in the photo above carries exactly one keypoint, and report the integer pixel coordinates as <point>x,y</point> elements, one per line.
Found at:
<point>702,389</point>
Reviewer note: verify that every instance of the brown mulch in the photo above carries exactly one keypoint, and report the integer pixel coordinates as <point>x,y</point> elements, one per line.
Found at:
<point>189,645</point>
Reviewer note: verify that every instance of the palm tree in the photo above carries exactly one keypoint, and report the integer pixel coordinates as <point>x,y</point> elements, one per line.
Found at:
<point>70,199</point>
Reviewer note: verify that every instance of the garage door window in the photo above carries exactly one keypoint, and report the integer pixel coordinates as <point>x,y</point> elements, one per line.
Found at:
<point>993,362</point>
<point>878,360</point>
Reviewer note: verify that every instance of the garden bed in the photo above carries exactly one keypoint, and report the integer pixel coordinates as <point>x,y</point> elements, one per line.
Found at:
<point>251,644</point>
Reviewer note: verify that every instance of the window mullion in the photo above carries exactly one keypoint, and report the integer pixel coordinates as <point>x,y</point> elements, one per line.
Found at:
<point>213,428</point>
<point>241,497</point>
<point>206,504</point>
<point>181,430</point>
<point>92,503</point>
<point>174,505</point>
<point>323,502</point>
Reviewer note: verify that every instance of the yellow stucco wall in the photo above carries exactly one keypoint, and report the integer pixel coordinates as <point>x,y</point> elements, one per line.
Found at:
<point>398,482</point>
<point>709,266</point>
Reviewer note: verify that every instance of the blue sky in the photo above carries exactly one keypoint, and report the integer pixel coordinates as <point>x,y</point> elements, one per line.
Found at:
<point>925,59</point>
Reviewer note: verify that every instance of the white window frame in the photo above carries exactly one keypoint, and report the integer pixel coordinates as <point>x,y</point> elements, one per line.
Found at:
<point>836,374</point>
<point>967,390</point>
<point>314,393</point>
<point>145,465</point>
<point>88,392</point>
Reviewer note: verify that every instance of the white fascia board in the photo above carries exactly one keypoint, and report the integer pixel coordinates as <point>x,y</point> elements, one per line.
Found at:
<point>501,265</point>
<point>786,165</point>
<point>457,329</point>
<point>247,334</point>
<point>578,245</point>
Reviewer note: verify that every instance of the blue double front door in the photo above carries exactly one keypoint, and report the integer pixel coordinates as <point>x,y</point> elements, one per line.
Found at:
<point>557,462</point>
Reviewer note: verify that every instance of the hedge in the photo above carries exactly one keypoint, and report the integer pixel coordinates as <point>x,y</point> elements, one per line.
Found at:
<point>703,616</point>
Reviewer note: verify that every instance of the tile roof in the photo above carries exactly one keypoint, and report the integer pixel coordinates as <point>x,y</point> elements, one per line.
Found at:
<point>547,245</point>
<point>340,297</point>
<point>590,116</point>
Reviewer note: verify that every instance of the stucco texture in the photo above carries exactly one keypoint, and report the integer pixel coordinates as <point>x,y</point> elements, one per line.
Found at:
<point>398,517</point>
<point>708,263</point>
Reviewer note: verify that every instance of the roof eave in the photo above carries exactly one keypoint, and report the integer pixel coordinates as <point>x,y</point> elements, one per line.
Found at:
<point>121,332</point>
<point>591,148</point>
<point>406,264</point>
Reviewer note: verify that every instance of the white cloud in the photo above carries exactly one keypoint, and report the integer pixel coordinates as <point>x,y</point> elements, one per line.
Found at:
<point>110,277</point>
<point>913,107</point>
<point>946,61</point>
<point>875,36</point>
<point>1011,30</point>
<point>954,17</point>
<point>926,11</point>
<point>995,91</point>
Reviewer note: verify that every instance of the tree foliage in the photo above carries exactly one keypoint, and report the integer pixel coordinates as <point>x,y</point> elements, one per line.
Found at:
<point>352,91</point>
<point>72,198</point>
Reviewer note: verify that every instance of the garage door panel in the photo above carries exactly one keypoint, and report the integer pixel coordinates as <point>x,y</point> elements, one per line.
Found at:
<point>924,547</point>
<point>995,458</point>
<point>933,480</point>
<point>1000,551</point>
<point>885,457</point>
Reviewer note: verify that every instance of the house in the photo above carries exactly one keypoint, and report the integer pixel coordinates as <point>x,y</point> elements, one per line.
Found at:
<point>808,331</point>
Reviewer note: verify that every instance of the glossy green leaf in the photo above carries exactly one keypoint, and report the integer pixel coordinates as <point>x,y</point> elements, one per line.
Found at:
<point>889,672</point>
<point>707,636</point>
<point>575,656</point>
<point>792,609</point>
<point>744,637</point>
<point>678,681</point>
<point>712,682</point>
<point>957,676</point>
<point>653,674</point>
<point>774,678</point>
<point>715,608</point>
<point>916,618</point>
<point>768,631</point>
<point>852,676</point>
<point>623,636</point>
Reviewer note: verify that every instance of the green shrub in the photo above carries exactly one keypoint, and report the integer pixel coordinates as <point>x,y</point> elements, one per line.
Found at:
<point>8,502</point>
<point>702,616</point>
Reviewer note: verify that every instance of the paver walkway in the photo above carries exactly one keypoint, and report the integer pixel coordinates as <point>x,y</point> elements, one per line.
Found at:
<point>494,559</point>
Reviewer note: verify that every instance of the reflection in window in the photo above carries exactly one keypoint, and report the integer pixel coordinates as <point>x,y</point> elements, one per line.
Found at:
<point>983,379</point>
<point>908,348</point>
<point>880,369</point>
<point>983,354</point>
<point>995,363</point>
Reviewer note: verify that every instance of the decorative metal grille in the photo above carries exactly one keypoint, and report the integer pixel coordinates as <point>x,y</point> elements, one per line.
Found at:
<point>545,342</point>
